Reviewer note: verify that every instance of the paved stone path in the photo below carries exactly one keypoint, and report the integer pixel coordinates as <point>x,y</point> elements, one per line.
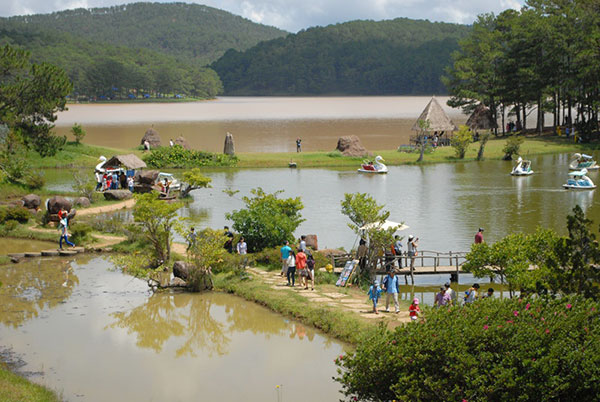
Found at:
<point>346,299</point>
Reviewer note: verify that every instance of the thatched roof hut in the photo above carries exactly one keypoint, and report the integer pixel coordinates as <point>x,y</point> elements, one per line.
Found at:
<point>437,118</point>
<point>130,161</point>
<point>481,119</point>
<point>182,141</point>
<point>152,137</point>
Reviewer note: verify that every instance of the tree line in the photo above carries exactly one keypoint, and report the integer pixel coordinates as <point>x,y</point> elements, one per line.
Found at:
<point>545,55</point>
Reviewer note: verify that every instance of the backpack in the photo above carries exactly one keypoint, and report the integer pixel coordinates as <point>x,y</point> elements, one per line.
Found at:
<point>310,262</point>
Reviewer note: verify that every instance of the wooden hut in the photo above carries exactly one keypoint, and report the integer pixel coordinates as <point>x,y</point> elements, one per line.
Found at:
<point>152,137</point>
<point>129,161</point>
<point>481,119</point>
<point>439,123</point>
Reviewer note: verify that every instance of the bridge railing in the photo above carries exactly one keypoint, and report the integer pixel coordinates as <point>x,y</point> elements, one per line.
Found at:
<point>423,259</point>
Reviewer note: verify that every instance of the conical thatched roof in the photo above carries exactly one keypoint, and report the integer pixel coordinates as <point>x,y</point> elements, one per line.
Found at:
<point>437,118</point>
<point>152,137</point>
<point>130,161</point>
<point>481,119</point>
<point>182,141</point>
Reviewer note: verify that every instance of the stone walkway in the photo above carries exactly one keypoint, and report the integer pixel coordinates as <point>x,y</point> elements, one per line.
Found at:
<point>347,299</point>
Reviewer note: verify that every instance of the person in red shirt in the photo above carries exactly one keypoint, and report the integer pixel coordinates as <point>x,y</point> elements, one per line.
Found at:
<point>302,269</point>
<point>479,236</point>
<point>414,311</point>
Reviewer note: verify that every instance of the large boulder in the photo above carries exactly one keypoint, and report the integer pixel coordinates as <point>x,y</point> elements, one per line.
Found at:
<point>146,177</point>
<point>152,137</point>
<point>57,203</point>
<point>181,270</point>
<point>117,194</point>
<point>229,148</point>
<point>182,141</point>
<point>311,241</point>
<point>82,202</point>
<point>351,146</point>
<point>32,201</point>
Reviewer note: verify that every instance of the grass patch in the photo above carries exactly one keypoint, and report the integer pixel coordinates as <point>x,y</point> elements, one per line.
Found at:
<point>75,156</point>
<point>343,325</point>
<point>18,389</point>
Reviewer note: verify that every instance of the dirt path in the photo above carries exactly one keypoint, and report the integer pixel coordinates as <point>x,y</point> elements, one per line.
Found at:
<point>107,208</point>
<point>347,299</point>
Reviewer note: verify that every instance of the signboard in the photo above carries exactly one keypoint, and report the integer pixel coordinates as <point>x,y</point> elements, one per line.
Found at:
<point>346,273</point>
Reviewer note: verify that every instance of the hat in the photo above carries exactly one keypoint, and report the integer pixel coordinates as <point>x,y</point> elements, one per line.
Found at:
<point>447,284</point>
<point>410,237</point>
<point>415,301</point>
<point>481,229</point>
<point>376,282</point>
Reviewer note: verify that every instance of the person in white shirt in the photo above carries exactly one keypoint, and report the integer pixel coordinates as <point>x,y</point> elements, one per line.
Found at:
<point>242,249</point>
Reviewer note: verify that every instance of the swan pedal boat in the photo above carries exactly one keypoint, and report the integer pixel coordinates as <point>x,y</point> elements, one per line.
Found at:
<point>376,167</point>
<point>523,168</point>
<point>579,181</point>
<point>583,161</point>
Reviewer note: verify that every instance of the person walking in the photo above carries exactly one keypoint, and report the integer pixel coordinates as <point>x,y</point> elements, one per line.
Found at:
<point>301,267</point>
<point>441,298</point>
<point>310,266</point>
<point>414,311</point>
<point>303,243</point>
<point>298,145</point>
<point>229,242</point>
<point>479,236</point>
<point>98,176</point>
<point>391,286</point>
<point>130,183</point>
<point>285,253</point>
<point>374,295</point>
<point>413,244</point>
<point>64,232</point>
<point>398,250</point>
<point>450,292</point>
<point>361,255</point>
<point>472,294</point>
<point>191,238</point>
<point>291,268</point>
<point>242,249</point>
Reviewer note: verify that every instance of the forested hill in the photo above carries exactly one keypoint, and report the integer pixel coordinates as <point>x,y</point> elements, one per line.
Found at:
<point>401,56</point>
<point>193,33</point>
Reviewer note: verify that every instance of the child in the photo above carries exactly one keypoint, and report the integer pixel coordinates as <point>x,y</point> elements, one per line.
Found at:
<point>375,294</point>
<point>414,311</point>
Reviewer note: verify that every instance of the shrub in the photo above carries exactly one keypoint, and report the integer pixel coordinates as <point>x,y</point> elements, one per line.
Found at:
<point>80,233</point>
<point>497,350</point>
<point>18,214</point>
<point>35,180</point>
<point>179,157</point>
<point>512,146</point>
<point>85,186</point>
<point>335,154</point>
<point>78,132</point>
<point>10,225</point>
<point>461,140</point>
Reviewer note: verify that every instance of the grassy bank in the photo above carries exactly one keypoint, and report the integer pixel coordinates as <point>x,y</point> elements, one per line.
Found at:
<point>493,150</point>
<point>343,325</point>
<point>14,388</point>
<point>75,156</point>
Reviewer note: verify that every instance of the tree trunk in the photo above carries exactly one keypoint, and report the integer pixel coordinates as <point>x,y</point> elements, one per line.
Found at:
<point>422,149</point>
<point>503,123</point>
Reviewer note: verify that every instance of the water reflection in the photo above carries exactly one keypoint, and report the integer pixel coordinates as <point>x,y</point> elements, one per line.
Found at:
<point>29,288</point>
<point>199,323</point>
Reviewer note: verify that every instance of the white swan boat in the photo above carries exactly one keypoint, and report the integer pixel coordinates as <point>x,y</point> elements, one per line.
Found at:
<point>377,167</point>
<point>579,181</point>
<point>100,166</point>
<point>583,161</point>
<point>523,168</point>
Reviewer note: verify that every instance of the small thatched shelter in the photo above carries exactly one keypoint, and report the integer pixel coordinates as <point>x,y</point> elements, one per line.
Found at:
<point>182,141</point>
<point>481,119</point>
<point>129,161</point>
<point>437,118</point>
<point>152,137</point>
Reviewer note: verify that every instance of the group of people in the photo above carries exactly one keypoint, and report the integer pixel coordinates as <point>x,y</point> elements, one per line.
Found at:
<point>393,253</point>
<point>300,261</point>
<point>391,287</point>
<point>113,181</point>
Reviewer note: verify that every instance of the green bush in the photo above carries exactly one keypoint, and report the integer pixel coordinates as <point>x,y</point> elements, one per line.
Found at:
<point>493,350</point>
<point>179,157</point>
<point>18,214</point>
<point>512,146</point>
<point>35,180</point>
<point>80,233</point>
<point>10,225</point>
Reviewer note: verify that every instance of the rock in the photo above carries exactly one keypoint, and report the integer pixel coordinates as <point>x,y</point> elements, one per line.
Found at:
<point>152,137</point>
<point>30,254</point>
<point>83,202</point>
<point>55,204</point>
<point>183,142</point>
<point>31,201</point>
<point>15,260</point>
<point>50,253</point>
<point>229,148</point>
<point>146,177</point>
<point>142,188</point>
<point>351,146</point>
<point>117,194</point>
<point>71,214</point>
<point>328,252</point>
<point>67,253</point>
<point>178,283</point>
<point>181,270</point>
<point>311,241</point>
<point>16,203</point>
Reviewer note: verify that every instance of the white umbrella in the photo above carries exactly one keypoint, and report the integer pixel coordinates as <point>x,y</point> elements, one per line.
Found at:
<point>385,225</point>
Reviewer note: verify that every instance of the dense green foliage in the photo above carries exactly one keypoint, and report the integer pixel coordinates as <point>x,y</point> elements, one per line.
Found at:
<point>545,55</point>
<point>492,350</point>
<point>461,140</point>
<point>398,56</point>
<point>512,147</point>
<point>194,180</point>
<point>179,157</point>
<point>267,221</point>
<point>18,214</point>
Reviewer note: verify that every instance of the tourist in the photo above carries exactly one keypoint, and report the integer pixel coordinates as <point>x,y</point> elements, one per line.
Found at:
<point>98,176</point>
<point>374,294</point>
<point>171,144</point>
<point>441,298</point>
<point>105,184</point>
<point>435,140</point>
<point>303,243</point>
<point>285,253</point>
<point>191,238</point>
<point>471,295</point>
<point>146,145</point>
<point>291,268</point>
<point>130,183</point>
<point>391,286</point>
<point>123,180</point>
<point>115,181</point>
<point>398,250</point>
<point>165,187</point>
<point>242,249</point>
<point>413,243</point>
<point>479,236</point>
<point>414,311</point>
<point>301,267</point>
<point>310,266</point>
<point>229,242</point>
<point>489,294</point>
<point>361,254</point>
<point>298,145</point>
<point>451,293</point>
<point>64,231</point>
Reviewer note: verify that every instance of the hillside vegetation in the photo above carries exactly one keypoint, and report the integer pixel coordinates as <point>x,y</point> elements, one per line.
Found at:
<point>400,56</point>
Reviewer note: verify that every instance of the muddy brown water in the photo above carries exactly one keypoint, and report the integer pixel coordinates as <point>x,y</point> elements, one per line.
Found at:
<point>258,124</point>
<point>94,334</point>
<point>9,245</point>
